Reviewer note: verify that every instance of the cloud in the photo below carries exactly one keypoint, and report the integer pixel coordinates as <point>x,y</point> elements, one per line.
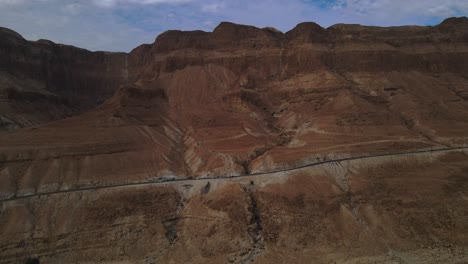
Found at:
<point>18,2</point>
<point>213,7</point>
<point>387,12</point>
<point>11,2</point>
<point>102,3</point>
<point>74,23</point>
<point>112,3</point>
<point>121,25</point>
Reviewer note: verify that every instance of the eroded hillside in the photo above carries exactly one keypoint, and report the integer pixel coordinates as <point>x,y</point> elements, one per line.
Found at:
<point>238,101</point>
<point>41,81</point>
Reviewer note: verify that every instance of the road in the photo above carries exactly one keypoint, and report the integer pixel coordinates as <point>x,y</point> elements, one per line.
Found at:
<point>128,184</point>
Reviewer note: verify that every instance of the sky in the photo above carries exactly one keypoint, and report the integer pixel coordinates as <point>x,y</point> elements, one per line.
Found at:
<point>121,25</point>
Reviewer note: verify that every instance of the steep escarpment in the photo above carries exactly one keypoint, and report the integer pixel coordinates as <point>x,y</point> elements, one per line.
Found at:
<point>349,87</point>
<point>238,101</point>
<point>41,81</point>
<point>309,46</point>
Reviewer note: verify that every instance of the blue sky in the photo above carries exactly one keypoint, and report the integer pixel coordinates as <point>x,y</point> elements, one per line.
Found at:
<point>121,25</point>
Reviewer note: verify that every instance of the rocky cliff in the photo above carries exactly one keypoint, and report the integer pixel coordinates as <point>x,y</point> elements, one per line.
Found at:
<point>41,81</point>
<point>234,101</point>
<point>238,101</point>
<point>248,97</point>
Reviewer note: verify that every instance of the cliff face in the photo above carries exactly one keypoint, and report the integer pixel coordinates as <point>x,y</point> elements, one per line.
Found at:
<point>42,81</point>
<point>236,100</point>
<point>308,47</point>
<point>240,100</point>
<point>270,94</point>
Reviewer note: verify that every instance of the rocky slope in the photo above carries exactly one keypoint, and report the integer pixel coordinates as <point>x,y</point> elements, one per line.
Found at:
<point>238,100</point>
<point>408,209</point>
<point>42,81</point>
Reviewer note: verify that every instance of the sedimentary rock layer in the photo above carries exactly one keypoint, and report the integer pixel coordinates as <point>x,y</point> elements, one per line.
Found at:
<point>238,100</point>
<point>41,81</point>
<point>385,209</point>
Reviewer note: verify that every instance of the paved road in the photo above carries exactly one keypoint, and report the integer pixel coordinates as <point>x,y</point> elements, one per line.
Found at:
<point>127,184</point>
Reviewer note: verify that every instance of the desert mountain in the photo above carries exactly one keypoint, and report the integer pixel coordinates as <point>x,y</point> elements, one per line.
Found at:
<point>42,81</point>
<point>237,101</point>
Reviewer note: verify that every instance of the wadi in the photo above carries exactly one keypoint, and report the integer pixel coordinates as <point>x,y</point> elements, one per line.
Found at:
<point>346,144</point>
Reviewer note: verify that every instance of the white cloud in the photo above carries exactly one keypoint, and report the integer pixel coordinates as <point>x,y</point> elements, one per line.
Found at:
<point>102,3</point>
<point>73,23</point>
<point>213,7</point>
<point>120,25</point>
<point>400,10</point>
<point>11,2</point>
<point>73,8</point>
<point>18,2</point>
<point>112,3</point>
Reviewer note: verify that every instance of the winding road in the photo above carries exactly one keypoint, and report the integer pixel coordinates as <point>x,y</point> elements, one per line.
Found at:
<point>153,182</point>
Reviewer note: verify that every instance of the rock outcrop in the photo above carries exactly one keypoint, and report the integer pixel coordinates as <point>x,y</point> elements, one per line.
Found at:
<point>238,100</point>
<point>381,210</point>
<point>41,81</point>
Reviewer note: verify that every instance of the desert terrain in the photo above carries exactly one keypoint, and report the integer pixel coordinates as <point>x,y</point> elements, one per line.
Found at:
<point>346,144</point>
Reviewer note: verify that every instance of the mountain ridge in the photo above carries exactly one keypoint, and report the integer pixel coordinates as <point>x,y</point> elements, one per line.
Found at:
<point>237,101</point>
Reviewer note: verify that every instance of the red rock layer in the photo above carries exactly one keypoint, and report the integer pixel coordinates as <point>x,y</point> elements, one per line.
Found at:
<point>42,81</point>
<point>236,100</point>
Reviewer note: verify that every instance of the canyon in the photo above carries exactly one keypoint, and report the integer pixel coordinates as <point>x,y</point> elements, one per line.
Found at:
<point>344,144</point>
